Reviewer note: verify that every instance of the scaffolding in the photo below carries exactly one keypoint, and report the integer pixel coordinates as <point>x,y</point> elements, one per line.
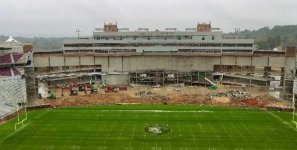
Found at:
<point>167,77</point>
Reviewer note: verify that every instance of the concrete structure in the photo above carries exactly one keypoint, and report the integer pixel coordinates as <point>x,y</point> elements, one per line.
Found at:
<point>166,57</point>
<point>112,39</point>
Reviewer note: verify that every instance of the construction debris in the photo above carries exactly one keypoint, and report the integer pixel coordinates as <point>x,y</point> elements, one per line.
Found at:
<point>229,96</point>
<point>232,94</point>
<point>145,93</point>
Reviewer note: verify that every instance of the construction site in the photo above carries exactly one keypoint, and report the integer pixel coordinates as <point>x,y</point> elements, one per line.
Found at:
<point>118,78</point>
<point>201,57</point>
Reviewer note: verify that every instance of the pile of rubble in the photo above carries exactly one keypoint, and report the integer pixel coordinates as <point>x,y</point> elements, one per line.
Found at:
<point>232,94</point>
<point>145,93</point>
<point>157,99</point>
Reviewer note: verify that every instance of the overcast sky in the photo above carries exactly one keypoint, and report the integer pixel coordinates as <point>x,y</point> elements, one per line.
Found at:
<point>62,17</point>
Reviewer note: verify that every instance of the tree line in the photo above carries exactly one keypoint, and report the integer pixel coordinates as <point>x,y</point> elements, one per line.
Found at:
<point>269,38</point>
<point>265,38</point>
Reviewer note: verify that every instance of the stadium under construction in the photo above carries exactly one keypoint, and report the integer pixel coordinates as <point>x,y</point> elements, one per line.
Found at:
<point>118,56</point>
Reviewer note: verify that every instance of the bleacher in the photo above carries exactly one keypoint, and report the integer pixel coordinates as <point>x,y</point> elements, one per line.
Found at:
<point>12,87</point>
<point>12,93</point>
<point>7,72</point>
<point>10,64</point>
<point>5,59</point>
<point>13,58</point>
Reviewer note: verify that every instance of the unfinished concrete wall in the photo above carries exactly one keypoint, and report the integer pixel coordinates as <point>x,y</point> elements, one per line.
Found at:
<point>56,61</point>
<point>181,63</point>
<point>261,61</point>
<point>41,61</point>
<point>228,60</point>
<point>156,62</point>
<point>244,61</point>
<point>115,64</point>
<point>137,63</point>
<point>184,63</point>
<point>290,62</point>
<point>116,79</point>
<point>103,61</point>
<point>205,63</point>
<point>277,61</point>
<point>87,60</point>
<point>71,60</point>
<point>126,64</point>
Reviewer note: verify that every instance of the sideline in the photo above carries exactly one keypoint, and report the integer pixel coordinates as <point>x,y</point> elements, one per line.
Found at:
<point>281,120</point>
<point>157,111</point>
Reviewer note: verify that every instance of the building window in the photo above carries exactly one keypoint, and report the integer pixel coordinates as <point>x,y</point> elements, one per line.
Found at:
<point>212,37</point>
<point>203,38</point>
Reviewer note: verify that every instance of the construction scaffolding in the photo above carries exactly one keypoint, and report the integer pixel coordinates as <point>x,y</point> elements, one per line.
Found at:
<point>167,77</point>
<point>289,73</point>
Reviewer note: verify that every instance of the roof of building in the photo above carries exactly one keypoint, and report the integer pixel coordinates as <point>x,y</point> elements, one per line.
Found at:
<point>10,42</point>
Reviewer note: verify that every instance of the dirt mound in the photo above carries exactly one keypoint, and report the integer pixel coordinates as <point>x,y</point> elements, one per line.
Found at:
<point>223,97</point>
<point>189,99</point>
<point>223,100</point>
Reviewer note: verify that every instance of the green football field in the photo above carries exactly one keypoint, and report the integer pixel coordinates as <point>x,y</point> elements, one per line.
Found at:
<point>151,127</point>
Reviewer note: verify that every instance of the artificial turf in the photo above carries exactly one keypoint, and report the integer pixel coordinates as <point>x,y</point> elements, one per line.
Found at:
<point>122,127</point>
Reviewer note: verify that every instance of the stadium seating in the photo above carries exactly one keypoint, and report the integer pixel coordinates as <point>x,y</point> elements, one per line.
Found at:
<point>17,58</point>
<point>14,93</point>
<point>6,72</point>
<point>5,59</point>
<point>20,58</point>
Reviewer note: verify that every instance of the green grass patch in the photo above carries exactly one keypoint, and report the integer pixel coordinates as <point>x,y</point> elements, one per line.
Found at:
<point>123,127</point>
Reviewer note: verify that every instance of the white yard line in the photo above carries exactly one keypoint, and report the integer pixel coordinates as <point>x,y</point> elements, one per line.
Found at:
<point>143,139</point>
<point>99,129</point>
<point>180,134</point>
<point>193,136</point>
<point>203,133</point>
<point>179,129</point>
<point>225,130</point>
<point>133,131</point>
<point>168,136</point>
<point>112,126</point>
<point>134,126</point>
<point>236,129</point>
<point>251,133</point>
<point>281,120</point>
<point>217,136</point>
<point>119,138</point>
<point>156,141</point>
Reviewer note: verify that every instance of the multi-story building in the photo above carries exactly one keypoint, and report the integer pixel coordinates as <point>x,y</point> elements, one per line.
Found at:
<point>112,39</point>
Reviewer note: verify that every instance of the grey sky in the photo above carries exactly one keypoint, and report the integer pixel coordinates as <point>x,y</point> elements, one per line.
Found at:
<point>63,17</point>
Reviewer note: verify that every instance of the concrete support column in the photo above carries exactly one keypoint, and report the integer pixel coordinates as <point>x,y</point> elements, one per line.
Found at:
<point>31,88</point>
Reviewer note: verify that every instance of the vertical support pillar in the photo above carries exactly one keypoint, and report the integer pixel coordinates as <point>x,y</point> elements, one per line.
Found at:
<point>31,88</point>
<point>163,77</point>
<point>136,78</point>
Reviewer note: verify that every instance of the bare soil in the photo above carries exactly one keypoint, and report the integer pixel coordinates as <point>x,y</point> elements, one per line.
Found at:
<point>168,95</point>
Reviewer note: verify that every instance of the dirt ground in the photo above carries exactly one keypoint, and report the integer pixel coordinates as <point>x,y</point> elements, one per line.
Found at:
<point>169,95</point>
